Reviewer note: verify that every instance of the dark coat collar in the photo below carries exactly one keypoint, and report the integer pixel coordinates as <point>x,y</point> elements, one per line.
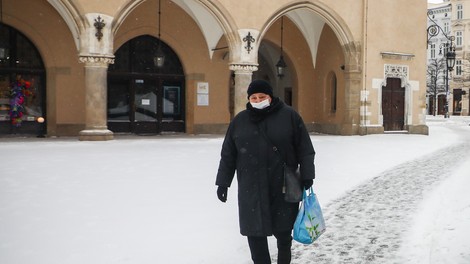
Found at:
<point>257,115</point>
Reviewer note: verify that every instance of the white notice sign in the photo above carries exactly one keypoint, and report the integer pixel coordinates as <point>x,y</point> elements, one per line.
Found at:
<point>203,99</point>
<point>145,101</point>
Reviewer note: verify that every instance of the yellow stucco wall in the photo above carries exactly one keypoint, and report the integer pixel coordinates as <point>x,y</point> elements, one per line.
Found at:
<point>354,35</point>
<point>41,23</point>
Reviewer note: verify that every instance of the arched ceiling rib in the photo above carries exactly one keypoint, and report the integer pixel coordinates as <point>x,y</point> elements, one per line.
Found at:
<point>209,26</point>
<point>309,23</point>
<point>69,13</point>
<point>311,27</point>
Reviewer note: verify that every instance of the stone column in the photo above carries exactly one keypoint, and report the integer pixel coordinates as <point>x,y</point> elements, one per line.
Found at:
<point>96,52</point>
<point>352,104</point>
<point>96,69</point>
<point>244,61</point>
<point>353,79</point>
<point>243,76</point>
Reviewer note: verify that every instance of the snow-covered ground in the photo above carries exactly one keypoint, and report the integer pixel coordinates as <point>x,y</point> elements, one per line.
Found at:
<point>147,199</point>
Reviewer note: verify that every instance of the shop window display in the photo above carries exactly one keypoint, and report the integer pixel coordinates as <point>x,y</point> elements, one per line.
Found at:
<point>22,84</point>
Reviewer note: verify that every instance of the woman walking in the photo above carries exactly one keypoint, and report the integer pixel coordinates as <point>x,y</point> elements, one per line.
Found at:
<point>259,142</point>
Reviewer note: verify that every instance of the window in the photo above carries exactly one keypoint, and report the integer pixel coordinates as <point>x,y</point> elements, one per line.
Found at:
<point>458,38</point>
<point>446,27</point>
<point>137,55</point>
<point>458,67</point>
<point>433,51</point>
<point>20,61</point>
<point>459,11</point>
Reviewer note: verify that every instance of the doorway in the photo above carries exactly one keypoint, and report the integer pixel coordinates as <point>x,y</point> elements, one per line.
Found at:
<point>393,105</point>
<point>144,98</point>
<point>457,102</point>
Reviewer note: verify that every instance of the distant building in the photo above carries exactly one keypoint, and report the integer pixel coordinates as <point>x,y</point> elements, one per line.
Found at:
<point>439,32</point>
<point>452,17</point>
<point>459,103</point>
<point>95,67</point>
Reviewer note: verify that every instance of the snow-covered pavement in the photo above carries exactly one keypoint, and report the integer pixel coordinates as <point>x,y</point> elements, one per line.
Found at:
<point>368,224</point>
<point>390,198</point>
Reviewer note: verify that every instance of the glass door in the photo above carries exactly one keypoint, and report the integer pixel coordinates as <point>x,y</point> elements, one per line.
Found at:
<point>146,114</point>
<point>172,105</point>
<point>146,105</point>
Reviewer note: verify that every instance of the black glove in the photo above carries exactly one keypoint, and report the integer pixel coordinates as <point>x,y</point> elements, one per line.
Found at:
<point>222,193</point>
<point>307,184</point>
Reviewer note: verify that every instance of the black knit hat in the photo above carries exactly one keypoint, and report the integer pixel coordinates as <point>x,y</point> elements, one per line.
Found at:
<point>260,86</point>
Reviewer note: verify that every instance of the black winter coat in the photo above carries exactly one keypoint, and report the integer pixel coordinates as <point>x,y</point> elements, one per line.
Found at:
<point>262,209</point>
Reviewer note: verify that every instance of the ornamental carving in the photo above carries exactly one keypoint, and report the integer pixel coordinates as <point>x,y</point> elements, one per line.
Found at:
<point>248,68</point>
<point>396,71</point>
<point>249,39</point>
<point>97,60</point>
<point>99,25</point>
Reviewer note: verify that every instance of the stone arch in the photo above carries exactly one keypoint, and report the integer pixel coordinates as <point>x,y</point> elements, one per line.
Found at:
<point>351,48</point>
<point>68,10</point>
<point>121,16</point>
<point>224,20</point>
<point>214,8</point>
<point>348,120</point>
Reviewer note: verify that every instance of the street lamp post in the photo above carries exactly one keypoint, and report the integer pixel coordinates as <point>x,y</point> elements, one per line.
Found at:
<point>434,90</point>
<point>450,63</point>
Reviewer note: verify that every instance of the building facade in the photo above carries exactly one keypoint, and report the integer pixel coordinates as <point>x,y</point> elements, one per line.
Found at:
<point>92,69</point>
<point>452,18</point>
<point>439,32</point>
<point>459,103</point>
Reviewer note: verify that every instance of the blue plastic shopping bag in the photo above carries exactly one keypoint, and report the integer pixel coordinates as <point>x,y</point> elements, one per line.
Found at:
<point>309,224</point>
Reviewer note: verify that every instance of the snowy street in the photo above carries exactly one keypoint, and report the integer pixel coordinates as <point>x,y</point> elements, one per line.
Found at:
<point>368,223</point>
<point>391,198</point>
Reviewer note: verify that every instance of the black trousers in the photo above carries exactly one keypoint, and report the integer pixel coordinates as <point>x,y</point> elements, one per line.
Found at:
<point>260,251</point>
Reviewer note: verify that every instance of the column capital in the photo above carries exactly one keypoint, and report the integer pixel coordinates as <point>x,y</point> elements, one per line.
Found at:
<point>96,60</point>
<point>243,68</point>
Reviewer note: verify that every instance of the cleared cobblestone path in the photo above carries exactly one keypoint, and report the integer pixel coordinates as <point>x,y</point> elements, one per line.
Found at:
<point>367,224</point>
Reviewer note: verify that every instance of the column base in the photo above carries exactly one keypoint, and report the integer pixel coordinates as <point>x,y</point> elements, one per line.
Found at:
<point>419,129</point>
<point>95,135</point>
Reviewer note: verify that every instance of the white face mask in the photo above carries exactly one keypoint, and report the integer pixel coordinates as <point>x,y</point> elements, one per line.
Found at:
<point>261,105</point>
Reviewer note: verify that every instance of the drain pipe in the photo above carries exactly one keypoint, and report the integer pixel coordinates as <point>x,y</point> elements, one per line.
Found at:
<point>364,69</point>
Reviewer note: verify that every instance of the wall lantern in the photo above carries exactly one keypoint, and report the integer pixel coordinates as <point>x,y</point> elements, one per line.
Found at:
<point>281,64</point>
<point>159,59</point>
